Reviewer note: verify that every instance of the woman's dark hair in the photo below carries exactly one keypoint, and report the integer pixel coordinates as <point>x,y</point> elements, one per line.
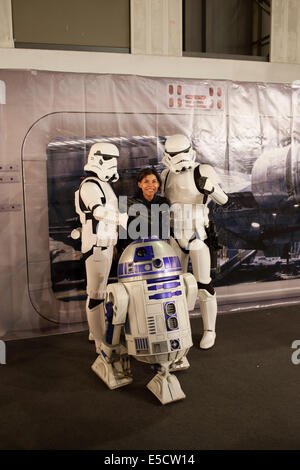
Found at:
<point>146,172</point>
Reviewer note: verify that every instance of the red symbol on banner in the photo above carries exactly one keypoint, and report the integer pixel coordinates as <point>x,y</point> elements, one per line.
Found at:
<point>179,101</point>
<point>211,91</point>
<point>179,89</point>
<point>171,89</point>
<point>171,102</point>
<point>219,104</point>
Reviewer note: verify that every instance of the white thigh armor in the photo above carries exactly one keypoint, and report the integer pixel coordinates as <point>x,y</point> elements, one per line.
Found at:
<point>97,267</point>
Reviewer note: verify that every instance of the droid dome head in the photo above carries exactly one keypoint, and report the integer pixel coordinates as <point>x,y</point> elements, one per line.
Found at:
<point>148,259</point>
<point>179,154</point>
<point>102,160</point>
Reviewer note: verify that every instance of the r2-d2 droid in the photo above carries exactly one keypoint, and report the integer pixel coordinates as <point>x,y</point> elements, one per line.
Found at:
<point>149,307</point>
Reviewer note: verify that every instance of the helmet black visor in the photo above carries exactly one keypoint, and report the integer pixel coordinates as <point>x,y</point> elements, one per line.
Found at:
<point>105,156</point>
<point>173,154</point>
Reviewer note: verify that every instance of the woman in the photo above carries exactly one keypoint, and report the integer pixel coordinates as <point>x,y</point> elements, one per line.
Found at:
<point>148,212</point>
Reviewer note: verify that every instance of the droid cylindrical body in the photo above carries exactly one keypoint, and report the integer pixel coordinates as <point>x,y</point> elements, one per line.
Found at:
<point>157,328</point>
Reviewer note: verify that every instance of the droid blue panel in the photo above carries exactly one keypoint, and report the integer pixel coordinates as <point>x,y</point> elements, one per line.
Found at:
<point>164,295</point>
<point>175,344</point>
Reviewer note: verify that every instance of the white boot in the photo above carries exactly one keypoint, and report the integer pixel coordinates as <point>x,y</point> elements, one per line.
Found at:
<point>95,322</point>
<point>208,308</point>
<point>91,338</point>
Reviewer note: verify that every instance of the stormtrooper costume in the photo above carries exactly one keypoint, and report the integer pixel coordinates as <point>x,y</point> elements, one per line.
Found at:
<point>97,206</point>
<point>188,185</point>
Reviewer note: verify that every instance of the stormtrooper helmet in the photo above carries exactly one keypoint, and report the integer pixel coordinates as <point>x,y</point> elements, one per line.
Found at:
<point>179,154</point>
<point>102,160</point>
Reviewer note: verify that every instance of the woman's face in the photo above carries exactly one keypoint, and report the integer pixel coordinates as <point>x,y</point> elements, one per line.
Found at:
<point>149,186</point>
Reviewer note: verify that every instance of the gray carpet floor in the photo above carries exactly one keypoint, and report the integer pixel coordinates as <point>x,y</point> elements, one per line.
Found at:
<point>242,394</point>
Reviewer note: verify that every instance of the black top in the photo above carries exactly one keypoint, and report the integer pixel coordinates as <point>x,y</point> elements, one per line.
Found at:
<point>146,218</point>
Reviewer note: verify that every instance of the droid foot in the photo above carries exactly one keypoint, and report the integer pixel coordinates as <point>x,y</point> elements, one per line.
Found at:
<point>208,339</point>
<point>180,364</point>
<point>166,388</point>
<point>113,374</point>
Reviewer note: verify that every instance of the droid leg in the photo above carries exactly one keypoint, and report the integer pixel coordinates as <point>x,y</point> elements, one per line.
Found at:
<point>113,363</point>
<point>200,258</point>
<point>182,363</point>
<point>165,386</point>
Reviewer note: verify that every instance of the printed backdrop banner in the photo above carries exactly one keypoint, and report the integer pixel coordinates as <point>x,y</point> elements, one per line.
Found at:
<point>249,132</point>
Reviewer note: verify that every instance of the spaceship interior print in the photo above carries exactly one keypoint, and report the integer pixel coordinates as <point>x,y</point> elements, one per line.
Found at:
<point>249,133</point>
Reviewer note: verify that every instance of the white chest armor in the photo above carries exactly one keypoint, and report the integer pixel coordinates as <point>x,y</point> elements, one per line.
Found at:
<point>94,192</point>
<point>180,188</point>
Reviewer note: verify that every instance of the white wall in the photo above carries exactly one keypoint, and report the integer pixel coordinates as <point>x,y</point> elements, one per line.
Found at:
<point>148,65</point>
